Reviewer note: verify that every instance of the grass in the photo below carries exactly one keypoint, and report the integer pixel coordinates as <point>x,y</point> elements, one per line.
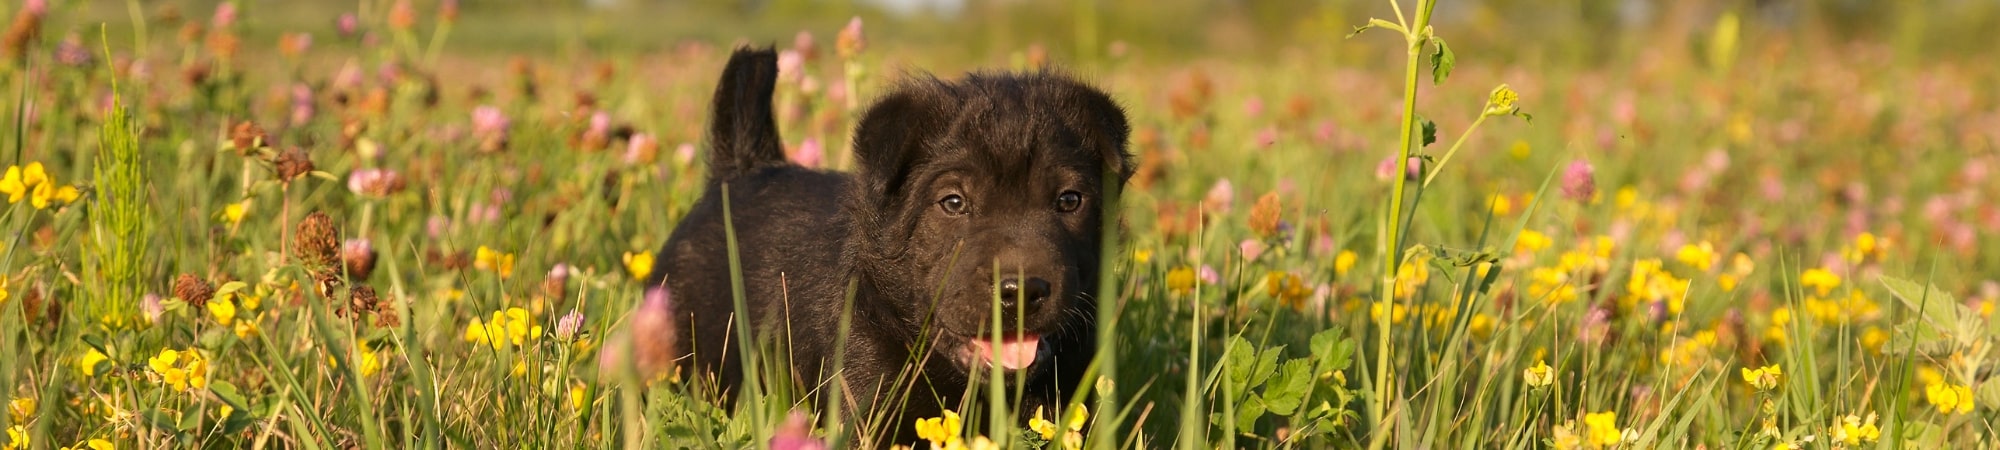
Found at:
<point>1754,239</point>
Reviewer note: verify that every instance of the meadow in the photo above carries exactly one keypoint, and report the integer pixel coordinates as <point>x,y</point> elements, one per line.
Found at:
<point>394,224</point>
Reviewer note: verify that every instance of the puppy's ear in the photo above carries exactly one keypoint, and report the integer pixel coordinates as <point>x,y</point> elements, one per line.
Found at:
<point>892,136</point>
<point>1102,116</point>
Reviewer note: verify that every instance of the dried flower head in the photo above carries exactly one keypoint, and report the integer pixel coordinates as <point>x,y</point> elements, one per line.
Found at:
<point>246,137</point>
<point>360,301</point>
<point>293,163</point>
<point>193,290</point>
<point>357,256</point>
<point>1264,215</point>
<point>317,241</point>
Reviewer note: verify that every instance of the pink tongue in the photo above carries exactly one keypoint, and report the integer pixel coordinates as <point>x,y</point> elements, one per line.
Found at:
<point>1012,354</point>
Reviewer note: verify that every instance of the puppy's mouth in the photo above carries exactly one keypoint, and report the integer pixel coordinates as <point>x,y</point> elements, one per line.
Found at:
<point>1016,352</point>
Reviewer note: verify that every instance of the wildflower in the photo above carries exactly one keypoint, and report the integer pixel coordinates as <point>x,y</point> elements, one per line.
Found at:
<point>1763,378</point>
<point>1740,266</point>
<point>3,290</point>
<point>1180,280</point>
<point>17,437</point>
<point>654,355</point>
<point>293,163</point>
<point>1344,262</point>
<point>13,184</point>
<point>1397,313</point>
<point>555,285</point>
<point>1579,181</point>
<point>246,329</point>
<point>1601,429</point>
<point>367,363</point>
<point>1043,427</point>
<point>1563,437</point>
<point>181,370</point>
<point>193,291</point>
<point>1251,249</point>
<point>810,153</point>
<point>579,397</point>
<point>493,260</point>
<point>1532,241</point>
<point>1142,256</point>
<point>1221,197</point>
<point>357,256</point>
<point>941,431</point>
<point>87,365</point>
<point>794,434</point>
<point>1287,288</point>
<point>1520,150</point>
<point>1500,205</point>
<point>1853,430</point>
<point>481,333</point>
<point>568,325</point>
<point>1699,256</point>
<point>489,125</point>
<point>233,213</point>
<point>99,444</point>
<point>318,240</point>
<point>641,149</point>
<point>1540,375</point>
<point>850,42</point>
<point>1820,280</point>
<point>1265,214</point>
<point>21,409</point>
<point>1949,398</point>
<point>1414,272</point>
<point>1386,171</point>
<point>639,264</point>
<point>222,310</point>
<point>1501,101</point>
<point>375,183</point>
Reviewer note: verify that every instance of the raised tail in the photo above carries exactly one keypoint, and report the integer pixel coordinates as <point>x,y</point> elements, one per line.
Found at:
<point>742,134</point>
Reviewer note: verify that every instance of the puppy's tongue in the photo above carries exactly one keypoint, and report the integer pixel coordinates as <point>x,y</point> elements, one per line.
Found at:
<point>1013,353</point>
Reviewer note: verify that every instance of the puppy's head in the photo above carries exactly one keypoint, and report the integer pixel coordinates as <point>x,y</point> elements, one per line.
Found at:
<point>996,183</point>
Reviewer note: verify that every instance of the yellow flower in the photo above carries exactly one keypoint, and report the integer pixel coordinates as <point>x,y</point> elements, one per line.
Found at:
<point>493,260</point>
<point>1541,375</point>
<point>1520,150</point>
<point>99,444</point>
<point>1949,398</point>
<point>223,310</point>
<point>248,328</point>
<point>940,430</point>
<point>1414,272</point>
<point>1397,313</point>
<point>1763,378</point>
<point>1142,256</point>
<point>233,212</point>
<point>17,438</point>
<point>982,443</point>
<point>1564,436</point>
<point>1180,280</point>
<point>1532,241</point>
<point>520,328</point>
<point>3,290</point>
<point>578,397</point>
<point>1043,427</point>
<point>639,264</point>
<point>12,185</point>
<point>1344,262</point>
<point>87,365</point>
<point>21,409</point>
<point>477,332</point>
<point>1287,288</point>
<point>33,175</point>
<point>1699,256</point>
<point>41,196</point>
<point>1853,430</point>
<point>1500,205</point>
<point>1821,280</point>
<point>1481,326</point>
<point>1601,429</point>
<point>368,363</point>
<point>1866,247</point>
<point>179,374</point>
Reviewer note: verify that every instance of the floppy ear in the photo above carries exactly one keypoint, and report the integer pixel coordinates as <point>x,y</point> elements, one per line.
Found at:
<point>1104,118</point>
<point>891,137</point>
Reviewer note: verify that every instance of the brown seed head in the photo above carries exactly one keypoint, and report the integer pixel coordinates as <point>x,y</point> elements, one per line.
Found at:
<point>293,163</point>
<point>246,136</point>
<point>318,240</point>
<point>1264,215</point>
<point>358,257</point>
<point>193,290</point>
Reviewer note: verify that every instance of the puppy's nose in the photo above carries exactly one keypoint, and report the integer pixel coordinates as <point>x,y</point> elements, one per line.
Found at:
<point>1013,289</point>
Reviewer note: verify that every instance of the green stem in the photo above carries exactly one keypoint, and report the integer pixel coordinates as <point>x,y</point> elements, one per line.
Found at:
<point>1392,246</point>
<point>1439,167</point>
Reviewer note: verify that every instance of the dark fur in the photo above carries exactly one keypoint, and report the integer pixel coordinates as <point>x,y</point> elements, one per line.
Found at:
<point>1008,144</point>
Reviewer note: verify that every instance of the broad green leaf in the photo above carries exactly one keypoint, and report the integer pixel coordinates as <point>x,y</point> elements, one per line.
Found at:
<point>1289,388</point>
<point>1442,61</point>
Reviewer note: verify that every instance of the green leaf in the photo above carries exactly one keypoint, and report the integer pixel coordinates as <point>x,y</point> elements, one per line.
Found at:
<point>1248,412</point>
<point>1331,351</point>
<point>229,394</point>
<point>230,288</point>
<point>1430,132</point>
<point>1376,23</point>
<point>1442,61</point>
<point>1289,388</point>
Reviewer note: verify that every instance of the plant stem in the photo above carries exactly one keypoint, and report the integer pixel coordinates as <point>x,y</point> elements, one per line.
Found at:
<point>1413,37</point>
<point>1439,167</point>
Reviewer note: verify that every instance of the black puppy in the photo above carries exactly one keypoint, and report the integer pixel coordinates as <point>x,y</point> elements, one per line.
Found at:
<point>957,179</point>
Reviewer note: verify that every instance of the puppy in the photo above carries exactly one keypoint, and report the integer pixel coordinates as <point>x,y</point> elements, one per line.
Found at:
<point>956,180</point>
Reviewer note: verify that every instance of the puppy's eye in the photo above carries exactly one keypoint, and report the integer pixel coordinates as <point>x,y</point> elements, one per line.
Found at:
<point>952,204</point>
<point>1069,201</point>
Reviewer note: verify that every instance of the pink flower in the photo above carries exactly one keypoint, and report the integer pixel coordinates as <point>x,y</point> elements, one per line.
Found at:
<point>684,153</point>
<point>1251,249</point>
<point>347,24</point>
<point>489,120</point>
<point>1208,275</point>
<point>1253,107</point>
<point>302,104</point>
<point>567,327</point>
<point>1579,181</point>
<point>1220,197</point>
<point>809,154</point>
<point>225,15</point>
<point>375,183</point>
<point>796,434</point>
<point>790,65</point>
<point>641,148</point>
<point>151,307</point>
<point>1386,170</point>
<point>1267,137</point>
<point>804,45</point>
<point>35,7</point>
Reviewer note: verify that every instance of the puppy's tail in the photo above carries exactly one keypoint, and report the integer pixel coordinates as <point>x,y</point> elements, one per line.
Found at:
<point>742,134</point>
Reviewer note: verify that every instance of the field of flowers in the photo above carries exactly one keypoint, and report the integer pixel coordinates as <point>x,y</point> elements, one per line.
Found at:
<point>220,232</point>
